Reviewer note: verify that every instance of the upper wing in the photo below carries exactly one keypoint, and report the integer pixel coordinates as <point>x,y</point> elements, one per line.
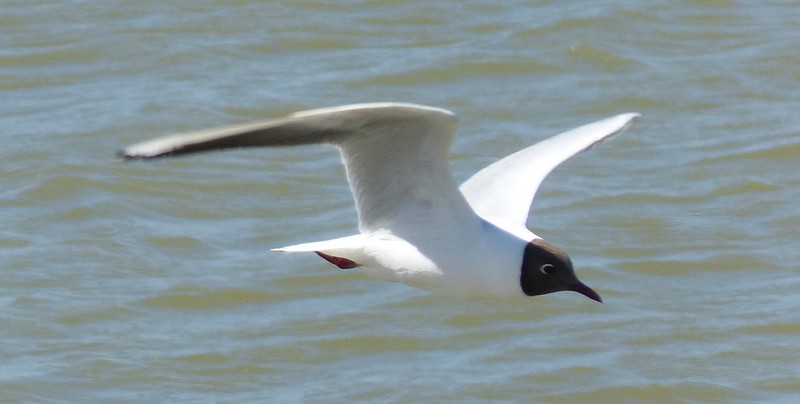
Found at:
<point>396,157</point>
<point>502,192</point>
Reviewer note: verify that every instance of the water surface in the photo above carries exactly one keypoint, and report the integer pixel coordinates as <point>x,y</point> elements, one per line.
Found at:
<point>153,281</point>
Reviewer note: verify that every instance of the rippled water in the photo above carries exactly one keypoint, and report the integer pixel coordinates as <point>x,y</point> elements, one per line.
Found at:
<point>138,281</point>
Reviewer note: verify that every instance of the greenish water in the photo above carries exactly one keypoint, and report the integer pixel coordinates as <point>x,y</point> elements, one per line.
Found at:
<point>131,282</point>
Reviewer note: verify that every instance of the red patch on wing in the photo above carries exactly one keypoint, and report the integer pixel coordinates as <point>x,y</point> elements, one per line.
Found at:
<point>342,263</point>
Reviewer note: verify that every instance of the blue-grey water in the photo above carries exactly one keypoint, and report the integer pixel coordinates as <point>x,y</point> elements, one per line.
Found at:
<point>153,281</point>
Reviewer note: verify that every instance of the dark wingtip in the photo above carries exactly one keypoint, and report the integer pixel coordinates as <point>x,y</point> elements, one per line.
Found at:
<point>125,155</point>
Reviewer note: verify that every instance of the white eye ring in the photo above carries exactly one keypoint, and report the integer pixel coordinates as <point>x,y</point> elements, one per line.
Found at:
<point>547,269</point>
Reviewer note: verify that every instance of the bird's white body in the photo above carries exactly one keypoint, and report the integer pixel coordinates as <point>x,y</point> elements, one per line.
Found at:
<point>416,225</point>
<point>438,261</point>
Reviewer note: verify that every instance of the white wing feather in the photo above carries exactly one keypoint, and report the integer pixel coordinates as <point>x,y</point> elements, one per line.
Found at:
<point>397,161</point>
<point>503,192</point>
<point>396,156</point>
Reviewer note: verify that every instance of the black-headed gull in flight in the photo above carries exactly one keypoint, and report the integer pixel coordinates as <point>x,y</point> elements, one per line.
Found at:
<point>416,225</point>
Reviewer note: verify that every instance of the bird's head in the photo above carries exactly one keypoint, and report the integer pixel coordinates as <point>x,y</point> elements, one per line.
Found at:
<point>547,269</point>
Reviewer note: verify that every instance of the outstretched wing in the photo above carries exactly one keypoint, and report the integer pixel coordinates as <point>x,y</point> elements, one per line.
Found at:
<point>396,156</point>
<point>502,192</point>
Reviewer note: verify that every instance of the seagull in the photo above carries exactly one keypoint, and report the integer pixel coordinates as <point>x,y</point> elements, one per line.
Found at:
<point>416,225</point>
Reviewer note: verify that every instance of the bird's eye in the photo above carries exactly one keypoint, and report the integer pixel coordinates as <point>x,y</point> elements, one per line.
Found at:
<point>547,269</point>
